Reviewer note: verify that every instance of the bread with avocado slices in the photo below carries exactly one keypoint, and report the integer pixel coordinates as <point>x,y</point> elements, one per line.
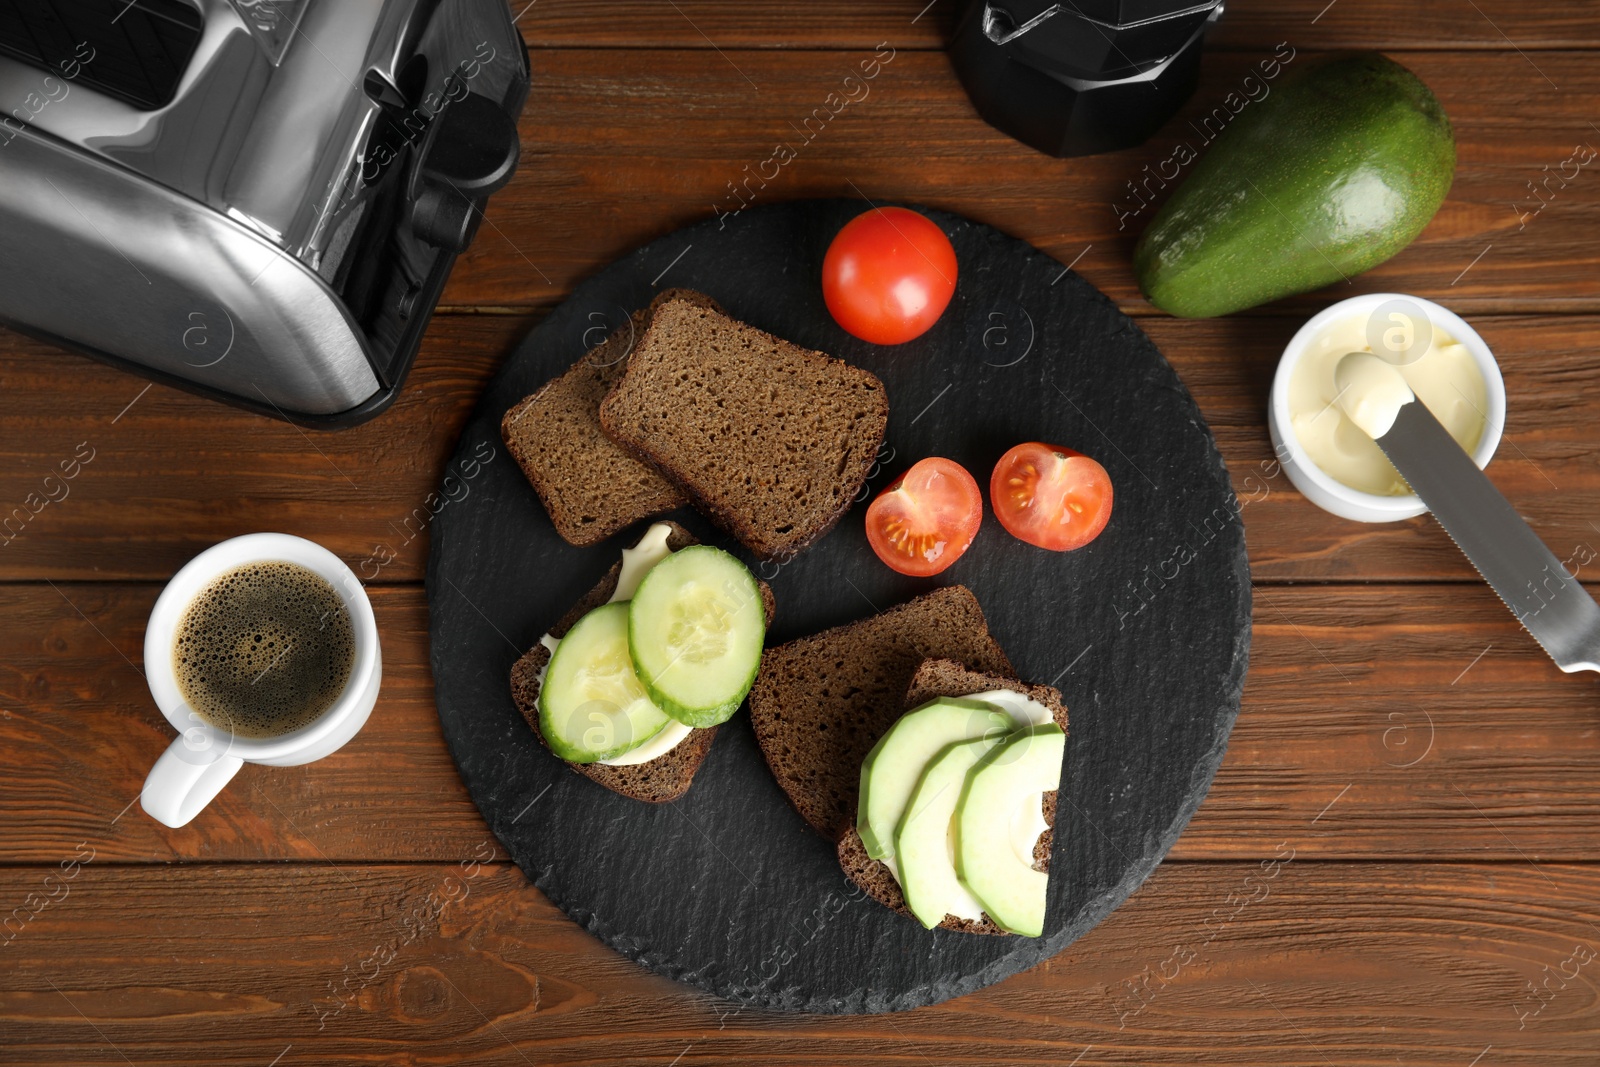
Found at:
<point>771,441</point>
<point>590,487</point>
<point>936,678</point>
<point>662,779</point>
<point>821,702</point>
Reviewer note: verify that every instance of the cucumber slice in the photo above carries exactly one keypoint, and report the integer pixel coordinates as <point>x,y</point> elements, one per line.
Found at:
<point>591,706</point>
<point>695,627</point>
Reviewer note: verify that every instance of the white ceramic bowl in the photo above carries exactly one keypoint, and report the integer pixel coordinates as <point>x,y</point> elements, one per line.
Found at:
<point>1321,488</point>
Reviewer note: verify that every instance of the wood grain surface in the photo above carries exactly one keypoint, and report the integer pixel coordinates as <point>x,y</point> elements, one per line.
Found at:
<point>1274,961</point>
<point>1399,861</point>
<point>836,24</point>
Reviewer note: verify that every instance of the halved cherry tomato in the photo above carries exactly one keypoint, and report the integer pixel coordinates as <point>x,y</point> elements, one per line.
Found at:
<point>924,521</point>
<point>888,275</point>
<point>1051,497</point>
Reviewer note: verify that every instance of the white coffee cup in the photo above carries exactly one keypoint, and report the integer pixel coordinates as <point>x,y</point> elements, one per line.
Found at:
<point>204,758</point>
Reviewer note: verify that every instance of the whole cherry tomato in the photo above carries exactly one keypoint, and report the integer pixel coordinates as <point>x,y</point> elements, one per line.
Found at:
<point>889,275</point>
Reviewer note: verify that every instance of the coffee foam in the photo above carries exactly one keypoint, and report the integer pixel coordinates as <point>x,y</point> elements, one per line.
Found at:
<point>264,649</point>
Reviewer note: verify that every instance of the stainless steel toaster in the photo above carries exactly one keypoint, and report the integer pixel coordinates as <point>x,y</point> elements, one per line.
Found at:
<point>257,200</point>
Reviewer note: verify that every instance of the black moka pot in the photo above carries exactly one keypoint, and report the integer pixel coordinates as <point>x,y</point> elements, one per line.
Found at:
<point>1076,79</point>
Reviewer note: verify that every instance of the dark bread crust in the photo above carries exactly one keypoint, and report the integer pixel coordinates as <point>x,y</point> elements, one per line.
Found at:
<point>665,778</point>
<point>821,702</point>
<point>777,488</point>
<point>873,877</point>
<point>590,488</point>
<point>945,678</point>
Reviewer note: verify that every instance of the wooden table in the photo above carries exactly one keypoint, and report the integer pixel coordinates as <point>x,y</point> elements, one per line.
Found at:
<point>1411,782</point>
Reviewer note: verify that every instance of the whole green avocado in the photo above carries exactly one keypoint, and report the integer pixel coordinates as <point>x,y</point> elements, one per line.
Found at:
<point>1336,170</point>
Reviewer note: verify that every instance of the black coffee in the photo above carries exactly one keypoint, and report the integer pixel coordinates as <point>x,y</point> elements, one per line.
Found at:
<point>264,649</point>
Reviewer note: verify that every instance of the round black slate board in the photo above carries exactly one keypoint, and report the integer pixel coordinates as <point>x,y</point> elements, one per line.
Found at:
<point>1145,631</point>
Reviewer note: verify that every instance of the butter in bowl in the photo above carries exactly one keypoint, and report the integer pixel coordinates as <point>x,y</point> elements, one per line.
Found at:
<point>1332,461</point>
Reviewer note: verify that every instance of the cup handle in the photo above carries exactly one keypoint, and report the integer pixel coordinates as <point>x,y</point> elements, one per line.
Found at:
<point>184,781</point>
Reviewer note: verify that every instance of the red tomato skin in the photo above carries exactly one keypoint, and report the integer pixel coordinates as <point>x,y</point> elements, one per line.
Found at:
<point>1018,528</point>
<point>964,500</point>
<point>888,275</point>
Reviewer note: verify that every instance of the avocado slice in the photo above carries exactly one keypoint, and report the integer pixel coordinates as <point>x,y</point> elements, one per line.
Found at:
<point>1338,168</point>
<point>924,846</point>
<point>1010,775</point>
<point>891,770</point>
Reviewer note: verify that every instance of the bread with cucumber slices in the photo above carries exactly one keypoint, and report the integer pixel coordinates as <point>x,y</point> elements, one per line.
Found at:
<point>821,702</point>
<point>933,679</point>
<point>662,779</point>
<point>590,487</point>
<point>769,440</point>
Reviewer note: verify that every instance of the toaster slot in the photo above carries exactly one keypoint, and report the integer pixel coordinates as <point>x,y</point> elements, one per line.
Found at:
<point>135,51</point>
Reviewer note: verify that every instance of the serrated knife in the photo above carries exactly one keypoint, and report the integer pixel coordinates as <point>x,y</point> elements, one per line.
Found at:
<point>1549,602</point>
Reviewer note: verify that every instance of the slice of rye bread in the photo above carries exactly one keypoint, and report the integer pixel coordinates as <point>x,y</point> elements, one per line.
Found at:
<point>821,702</point>
<point>945,678</point>
<point>590,487</point>
<point>664,778</point>
<point>770,440</point>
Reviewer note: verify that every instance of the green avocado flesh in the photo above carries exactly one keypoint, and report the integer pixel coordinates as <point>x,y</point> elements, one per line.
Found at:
<point>1337,169</point>
<point>892,769</point>
<point>924,852</point>
<point>1020,767</point>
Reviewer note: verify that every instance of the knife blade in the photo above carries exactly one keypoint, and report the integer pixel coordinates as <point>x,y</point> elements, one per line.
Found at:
<point>1549,602</point>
